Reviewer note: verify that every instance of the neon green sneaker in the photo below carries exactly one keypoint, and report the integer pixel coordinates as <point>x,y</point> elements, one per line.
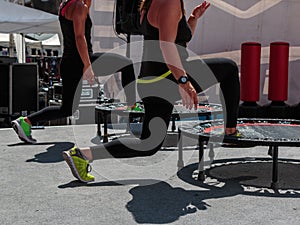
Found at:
<point>237,134</point>
<point>231,140</point>
<point>23,130</point>
<point>78,164</point>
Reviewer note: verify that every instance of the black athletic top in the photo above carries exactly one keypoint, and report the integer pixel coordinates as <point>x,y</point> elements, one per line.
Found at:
<point>152,55</point>
<point>69,43</point>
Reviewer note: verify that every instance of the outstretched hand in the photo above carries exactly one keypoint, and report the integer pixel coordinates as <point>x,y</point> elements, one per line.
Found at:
<point>200,9</point>
<point>188,96</point>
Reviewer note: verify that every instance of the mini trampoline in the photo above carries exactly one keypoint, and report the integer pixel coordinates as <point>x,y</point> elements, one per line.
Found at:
<point>103,111</point>
<point>255,132</point>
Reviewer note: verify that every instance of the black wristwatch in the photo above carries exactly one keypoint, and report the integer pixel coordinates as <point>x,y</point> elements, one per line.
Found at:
<point>183,79</point>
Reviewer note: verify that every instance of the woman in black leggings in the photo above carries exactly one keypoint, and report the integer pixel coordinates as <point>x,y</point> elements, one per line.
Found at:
<point>72,82</point>
<point>165,77</point>
<point>76,64</point>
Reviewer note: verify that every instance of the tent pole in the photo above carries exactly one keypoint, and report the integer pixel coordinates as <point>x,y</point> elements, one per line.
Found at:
<point>11,45</point>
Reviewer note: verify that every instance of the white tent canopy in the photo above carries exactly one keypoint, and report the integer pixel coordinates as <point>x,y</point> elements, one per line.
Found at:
<point>4,40</point>
<point>44,39</point>
<point>51,40</point>
<point>16,18</point>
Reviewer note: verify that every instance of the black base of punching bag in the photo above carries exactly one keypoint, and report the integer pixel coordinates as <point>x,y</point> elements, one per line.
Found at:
<point>276,109</point>
<point>249,110</point>
<point>295,111</point>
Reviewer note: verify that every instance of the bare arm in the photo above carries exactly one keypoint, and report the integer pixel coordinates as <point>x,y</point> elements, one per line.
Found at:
<point>168,15</point>
<point>196,14</point>
<point>167,22</point>
<point>78,13</point>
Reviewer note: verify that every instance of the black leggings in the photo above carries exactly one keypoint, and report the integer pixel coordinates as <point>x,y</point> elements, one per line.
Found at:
<point>71,73</point>
<point>158,99</point>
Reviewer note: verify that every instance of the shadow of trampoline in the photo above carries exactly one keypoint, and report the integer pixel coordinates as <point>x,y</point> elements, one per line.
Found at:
<point>254,175</point>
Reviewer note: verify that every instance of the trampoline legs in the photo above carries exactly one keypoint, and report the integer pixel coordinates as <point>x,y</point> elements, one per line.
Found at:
<point>98,125</point>
<point>211,152</point>
<point>173,119</point>
<point>274,150</point>
<point>102,117</point>
<point>105,135</point>
<point>270,151</point>
<point>201,172</point>
<point>180,163</point>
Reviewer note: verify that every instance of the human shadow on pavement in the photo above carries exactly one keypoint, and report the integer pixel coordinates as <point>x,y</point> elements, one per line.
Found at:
<point>53,154</point>
<point>157,203</point>
<point>161,203</point>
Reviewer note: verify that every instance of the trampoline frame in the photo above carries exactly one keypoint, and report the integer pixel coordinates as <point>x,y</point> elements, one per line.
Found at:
<point>103,111</point>
<point>189,130</point>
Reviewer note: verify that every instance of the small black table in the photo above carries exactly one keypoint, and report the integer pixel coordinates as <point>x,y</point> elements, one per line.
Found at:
<point>256,132</point>
<point>102,111</point>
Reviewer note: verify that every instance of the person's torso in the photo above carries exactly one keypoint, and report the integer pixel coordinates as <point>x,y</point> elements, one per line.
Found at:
<point>184,32</point>
<point>69,40</point>
<point>153,62</point>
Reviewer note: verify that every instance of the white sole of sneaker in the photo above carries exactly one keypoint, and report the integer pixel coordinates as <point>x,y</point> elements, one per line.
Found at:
<point>18,129</point>
<point>67,157</point>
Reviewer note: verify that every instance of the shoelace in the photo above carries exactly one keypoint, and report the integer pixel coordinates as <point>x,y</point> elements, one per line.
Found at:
<point>88,168</point>
<point>79,154</point>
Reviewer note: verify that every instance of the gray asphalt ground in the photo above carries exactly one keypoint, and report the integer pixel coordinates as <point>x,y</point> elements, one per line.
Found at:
<point>37,186</point>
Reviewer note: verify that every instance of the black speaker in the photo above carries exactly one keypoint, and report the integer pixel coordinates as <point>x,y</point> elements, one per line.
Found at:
<point>128,17</point>
<point>19,88</point>
<point>24,88</point>
<point>50,6</point>
<point>4,88</point>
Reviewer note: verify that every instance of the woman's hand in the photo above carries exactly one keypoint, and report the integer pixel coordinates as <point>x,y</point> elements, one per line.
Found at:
<point>200,10</point>
<point>88,74</point>
<point>188,95</point>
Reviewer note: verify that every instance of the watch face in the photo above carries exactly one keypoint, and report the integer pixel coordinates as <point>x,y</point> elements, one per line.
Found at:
<point>183,80</point>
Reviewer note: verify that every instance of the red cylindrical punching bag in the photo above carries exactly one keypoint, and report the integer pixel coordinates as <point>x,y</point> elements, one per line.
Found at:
<point>250,71</point>
<point>278,71</point>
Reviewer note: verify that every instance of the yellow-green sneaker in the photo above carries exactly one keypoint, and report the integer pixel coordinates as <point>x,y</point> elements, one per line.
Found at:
<point>78,164</point>
<point>237,134</point>
<point>232,141</point>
